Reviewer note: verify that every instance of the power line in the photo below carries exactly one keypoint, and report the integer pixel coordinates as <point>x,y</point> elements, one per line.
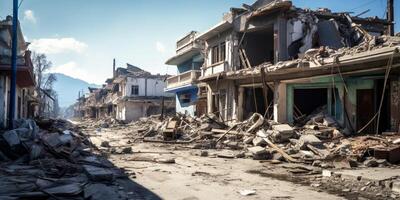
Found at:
<point>363,5</point>
<point>20,3</point>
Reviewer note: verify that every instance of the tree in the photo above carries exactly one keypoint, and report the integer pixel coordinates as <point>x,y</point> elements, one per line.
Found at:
<point>44,80</point>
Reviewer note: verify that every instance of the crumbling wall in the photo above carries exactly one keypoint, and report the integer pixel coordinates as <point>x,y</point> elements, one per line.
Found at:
<point>301,32</point>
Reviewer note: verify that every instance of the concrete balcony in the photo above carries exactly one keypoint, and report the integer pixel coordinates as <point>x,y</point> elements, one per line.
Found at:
<point>185,79</point>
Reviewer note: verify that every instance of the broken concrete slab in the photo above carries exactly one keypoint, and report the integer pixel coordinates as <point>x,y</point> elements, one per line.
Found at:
<point>11,138</point>
<point>248,140</point>
<point>259,153</point>
<point>282,133</point>
<point>396,186</point>
<point>98,173</point>
<point>307,139</point>
<point>258,141</point>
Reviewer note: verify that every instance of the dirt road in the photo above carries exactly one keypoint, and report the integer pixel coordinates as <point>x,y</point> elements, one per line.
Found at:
<point>195,177</point>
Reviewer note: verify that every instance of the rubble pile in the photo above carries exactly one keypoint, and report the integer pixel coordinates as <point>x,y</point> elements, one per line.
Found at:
<point>51,159</point>
<point>316,139</point>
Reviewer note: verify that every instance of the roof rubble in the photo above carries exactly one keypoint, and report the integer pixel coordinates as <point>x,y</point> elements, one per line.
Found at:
<point>52,159</point>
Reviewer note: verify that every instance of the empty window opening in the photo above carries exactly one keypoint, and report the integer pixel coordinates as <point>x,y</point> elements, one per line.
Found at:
<point>254,102</point>
<point>306,101</point>
<point>259,47</point>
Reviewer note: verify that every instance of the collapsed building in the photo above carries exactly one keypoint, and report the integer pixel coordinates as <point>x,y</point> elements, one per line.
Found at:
<point>26,103</point>
<point>286,63</point>
<point>130,94</point>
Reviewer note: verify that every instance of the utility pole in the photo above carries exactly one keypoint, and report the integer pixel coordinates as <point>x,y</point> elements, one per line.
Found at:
<point>13,65</point>
<point>390,16</point>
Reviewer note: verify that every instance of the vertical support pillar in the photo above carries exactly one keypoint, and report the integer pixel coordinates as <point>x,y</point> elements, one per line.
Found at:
<point>2,102</point>
<point>240,103</point>
<point>13,66</point>
<point>395,104</point>
<point>210,100</point>
<point>280,102</point>
<point>280,40</point>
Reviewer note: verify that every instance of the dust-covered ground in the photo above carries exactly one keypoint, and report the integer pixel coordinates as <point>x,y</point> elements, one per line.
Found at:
<point>177,171</point>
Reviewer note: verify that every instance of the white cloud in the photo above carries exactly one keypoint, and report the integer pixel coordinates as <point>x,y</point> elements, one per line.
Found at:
<point>57,45</point>
<point>160,47</point>
<point>30,16</point>
<point>71,69</point>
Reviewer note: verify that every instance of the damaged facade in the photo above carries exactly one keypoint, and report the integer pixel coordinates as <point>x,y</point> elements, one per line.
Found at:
<point>132,93</point>
<point>26,103</point>
<point>287,63</point>
<point>188,60</point>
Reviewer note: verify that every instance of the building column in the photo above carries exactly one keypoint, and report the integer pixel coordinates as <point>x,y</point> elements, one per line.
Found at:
<point>240,104</point>
<point>210,100</point>
<point>280,106</point>
<point>395,104</point>
<point>2,102</point>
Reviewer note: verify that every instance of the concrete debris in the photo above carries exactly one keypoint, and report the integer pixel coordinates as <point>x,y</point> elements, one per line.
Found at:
<point>58,151</point>
<point>307,139</point>
<point>259,153</point>
<point>247,192</point>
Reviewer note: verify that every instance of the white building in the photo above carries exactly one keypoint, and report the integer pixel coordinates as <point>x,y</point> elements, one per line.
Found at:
<point>140,94</point>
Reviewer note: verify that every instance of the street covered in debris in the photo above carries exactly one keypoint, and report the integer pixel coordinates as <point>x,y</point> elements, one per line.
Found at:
<point>273,102</point>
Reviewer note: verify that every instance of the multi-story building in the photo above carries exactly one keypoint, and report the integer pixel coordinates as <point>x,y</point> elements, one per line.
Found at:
<point>25,100</point>
<point>132,93</point>
<point>189,60</point>
<point>285,62</point>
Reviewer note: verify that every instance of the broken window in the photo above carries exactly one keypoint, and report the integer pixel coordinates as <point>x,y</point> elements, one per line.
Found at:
<point>135,90</point>
<point>185,98</point>
<point>218,53</point>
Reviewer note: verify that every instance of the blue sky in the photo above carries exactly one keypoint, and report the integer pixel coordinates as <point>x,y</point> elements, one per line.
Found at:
<point>82,37</point>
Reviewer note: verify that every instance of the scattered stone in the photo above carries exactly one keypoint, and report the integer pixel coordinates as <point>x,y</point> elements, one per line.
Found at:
<point>307,139</point>
<point>248,140</point>
<point>259,153</point>
<point>247,192</point>
<point>127,150</point>
<point>307,154</point>
<point>98,174</point>
<point>258,141</point>
<point>105,144</point>
<point>396,186</point>
<point>166,160</point>
<point>346,190</point>
<point>225,155</point>
<point>282,133</point>
<point>326,173</point>
<point>397,141</point>
<point>203,153</point>
<point>241,154</point>
<point>371,162</point>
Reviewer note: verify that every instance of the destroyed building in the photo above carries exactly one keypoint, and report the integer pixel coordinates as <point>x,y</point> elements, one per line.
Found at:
<point>188,60</point>
<point>26,103</point>
<point>287,63</point>
<point>131,93</point>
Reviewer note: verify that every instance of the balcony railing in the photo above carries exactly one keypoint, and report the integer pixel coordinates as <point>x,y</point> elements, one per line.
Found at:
<point>185,78</point>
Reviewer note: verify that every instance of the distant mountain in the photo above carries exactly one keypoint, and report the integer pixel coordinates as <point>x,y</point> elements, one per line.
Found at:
<point>68,88</point>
